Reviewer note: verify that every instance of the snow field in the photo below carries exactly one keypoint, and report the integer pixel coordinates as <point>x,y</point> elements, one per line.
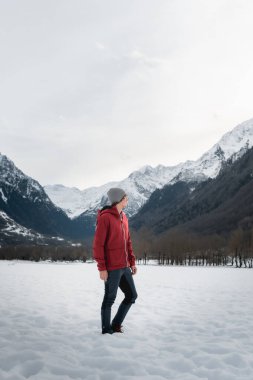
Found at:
<point>188,323</point>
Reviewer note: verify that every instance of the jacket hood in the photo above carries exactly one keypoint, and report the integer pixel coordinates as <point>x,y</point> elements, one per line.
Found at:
<point>109,210</point>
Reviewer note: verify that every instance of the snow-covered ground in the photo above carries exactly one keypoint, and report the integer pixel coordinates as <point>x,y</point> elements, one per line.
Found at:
<point>188,323</point>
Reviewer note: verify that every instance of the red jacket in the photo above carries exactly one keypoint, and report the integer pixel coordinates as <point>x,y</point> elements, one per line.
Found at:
<point>112,246</point>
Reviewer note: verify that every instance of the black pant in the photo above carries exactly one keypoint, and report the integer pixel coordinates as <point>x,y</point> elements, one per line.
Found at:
<point>122,278</point>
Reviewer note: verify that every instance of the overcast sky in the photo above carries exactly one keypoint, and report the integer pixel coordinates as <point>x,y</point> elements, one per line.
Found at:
<point>92,90</point>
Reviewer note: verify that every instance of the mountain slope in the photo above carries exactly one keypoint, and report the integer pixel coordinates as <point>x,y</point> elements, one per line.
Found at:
<point>236,212</point>
<point>12,233</point>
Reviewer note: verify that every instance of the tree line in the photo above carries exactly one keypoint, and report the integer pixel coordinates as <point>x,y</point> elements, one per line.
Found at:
<point>184,248</point>
<point>44,252</point>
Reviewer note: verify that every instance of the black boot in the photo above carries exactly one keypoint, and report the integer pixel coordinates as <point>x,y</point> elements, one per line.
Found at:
<point>117,328</point>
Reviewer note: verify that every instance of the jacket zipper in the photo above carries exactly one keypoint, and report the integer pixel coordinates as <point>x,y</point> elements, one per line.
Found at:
<point>124,237</point>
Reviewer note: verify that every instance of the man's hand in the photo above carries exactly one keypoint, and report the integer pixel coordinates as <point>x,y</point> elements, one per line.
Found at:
<point>134,269</point>
<point>103,275</point>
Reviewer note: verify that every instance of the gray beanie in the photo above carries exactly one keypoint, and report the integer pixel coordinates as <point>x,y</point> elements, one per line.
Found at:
<point>115,194</point>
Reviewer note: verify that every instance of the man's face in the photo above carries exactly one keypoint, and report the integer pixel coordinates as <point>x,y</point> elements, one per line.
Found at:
<point>124,201</point>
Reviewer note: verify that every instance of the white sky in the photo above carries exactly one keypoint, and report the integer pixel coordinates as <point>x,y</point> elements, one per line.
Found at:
<point>91,90</point>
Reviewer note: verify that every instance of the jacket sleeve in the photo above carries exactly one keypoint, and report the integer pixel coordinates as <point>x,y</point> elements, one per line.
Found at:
<point>99,242</point>
<point>131,256</point>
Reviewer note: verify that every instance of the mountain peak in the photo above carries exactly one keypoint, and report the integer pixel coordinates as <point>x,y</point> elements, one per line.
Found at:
<point>145,169</point>
<point>239,137</point>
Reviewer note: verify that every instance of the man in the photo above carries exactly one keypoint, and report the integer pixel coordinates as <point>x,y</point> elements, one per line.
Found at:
<point>113,252</point>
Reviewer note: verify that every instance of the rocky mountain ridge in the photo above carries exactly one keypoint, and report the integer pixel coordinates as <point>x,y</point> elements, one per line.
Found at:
<point>141,183</point>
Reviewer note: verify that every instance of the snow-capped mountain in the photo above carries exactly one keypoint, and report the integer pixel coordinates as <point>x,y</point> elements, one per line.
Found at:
<point>27,210</point>
<point>141,183</point>
<point>218,206</point>
<point>12,178</point>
